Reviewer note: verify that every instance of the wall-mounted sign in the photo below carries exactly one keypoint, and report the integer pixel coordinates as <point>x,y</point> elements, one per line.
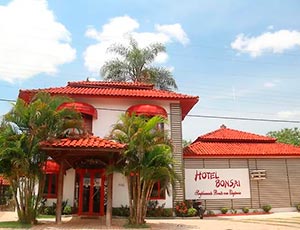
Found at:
<point>208,184</point>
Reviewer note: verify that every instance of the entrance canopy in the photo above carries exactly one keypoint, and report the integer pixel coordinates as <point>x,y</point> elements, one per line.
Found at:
<point>86,151</point>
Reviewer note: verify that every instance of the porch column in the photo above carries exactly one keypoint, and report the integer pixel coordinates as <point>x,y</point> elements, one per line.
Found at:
<point>109,200</point>
<point>59,193</point>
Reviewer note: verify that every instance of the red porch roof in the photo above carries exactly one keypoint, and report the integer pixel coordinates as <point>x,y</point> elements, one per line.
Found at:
<point>87,142</point>
<point>230,143</point>
<point>116,90</point>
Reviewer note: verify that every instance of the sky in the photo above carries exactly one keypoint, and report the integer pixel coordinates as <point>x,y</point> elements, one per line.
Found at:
<point>242,58</point>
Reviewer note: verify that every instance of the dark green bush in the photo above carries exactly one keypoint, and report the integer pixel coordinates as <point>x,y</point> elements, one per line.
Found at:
<point>224,210</point>
<point>51,210</point>
<point>245,209</point>
<point>67,210</point>
<point>211,213</point>
<point>233,211</point>
<point>267,208</point>
<point>167,212</point>
<point>192,212</point>
<point>156,210</point>
<point>121,211</point>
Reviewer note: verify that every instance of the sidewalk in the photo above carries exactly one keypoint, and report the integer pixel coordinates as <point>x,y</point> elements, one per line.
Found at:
<point>277,221</point>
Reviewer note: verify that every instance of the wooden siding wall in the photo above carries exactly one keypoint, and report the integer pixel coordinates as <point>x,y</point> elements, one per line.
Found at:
<point>176,136</point>
<point>280,189</point>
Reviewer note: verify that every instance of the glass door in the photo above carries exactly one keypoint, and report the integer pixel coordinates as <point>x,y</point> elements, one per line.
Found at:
<point>86,192</point>
<point>96,192</point>
<point>90,191</point>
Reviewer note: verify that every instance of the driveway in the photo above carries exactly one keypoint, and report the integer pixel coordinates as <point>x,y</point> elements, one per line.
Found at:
<point>275,221</point>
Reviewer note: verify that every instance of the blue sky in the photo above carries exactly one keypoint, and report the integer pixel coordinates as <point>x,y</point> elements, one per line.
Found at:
<point>242,58</point>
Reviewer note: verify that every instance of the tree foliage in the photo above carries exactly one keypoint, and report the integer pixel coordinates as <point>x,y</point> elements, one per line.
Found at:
<point>147,160</point>
<point>21,161</point>
<point>134,64</point>
<point>288,136</point>
<point>186,143</point>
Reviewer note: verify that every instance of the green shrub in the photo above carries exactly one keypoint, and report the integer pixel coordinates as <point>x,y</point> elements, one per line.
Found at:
<point>245,210</point>
<point>49,210</point>
<point>224,210</point>
<point>67,210</point>
<point>167,212</point>
<point>192,212</point>
<point>298,207</point>
<point>233,211</point>
<point>122,211</point>
<point>267,208</point>
<point>154,209</point>
<point>211,213</point>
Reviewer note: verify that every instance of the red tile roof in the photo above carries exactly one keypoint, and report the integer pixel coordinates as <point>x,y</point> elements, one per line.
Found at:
<point>116,89</point>
<point>3,181</point>
<point>227,135</point>
<point>87,142</point>
<point>229,143</point>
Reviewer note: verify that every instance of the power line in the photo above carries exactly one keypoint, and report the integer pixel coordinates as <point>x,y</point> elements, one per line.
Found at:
<point>203,116</point>
<point>221,117</point>
<point>7,100</point>
<point>244,118</point>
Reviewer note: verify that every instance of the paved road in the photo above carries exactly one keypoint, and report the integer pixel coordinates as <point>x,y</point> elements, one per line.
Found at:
<point>276,221</point>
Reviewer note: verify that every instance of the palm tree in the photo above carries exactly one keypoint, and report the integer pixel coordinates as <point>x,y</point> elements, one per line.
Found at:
<point>21,161</point>
<point>147,160</point>
<point>134,65</point>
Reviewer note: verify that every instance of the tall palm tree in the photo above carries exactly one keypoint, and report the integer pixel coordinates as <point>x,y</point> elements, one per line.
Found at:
<point>134,64</point>
<point>147,160</point>
<point>21,161</point>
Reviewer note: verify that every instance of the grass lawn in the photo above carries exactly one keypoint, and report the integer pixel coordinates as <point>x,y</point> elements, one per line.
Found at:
<point>46,217</point>
<point>14,224</point>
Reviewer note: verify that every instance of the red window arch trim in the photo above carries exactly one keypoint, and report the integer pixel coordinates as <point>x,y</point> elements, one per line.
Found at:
<point>81,107</point>
<point>148,110</point>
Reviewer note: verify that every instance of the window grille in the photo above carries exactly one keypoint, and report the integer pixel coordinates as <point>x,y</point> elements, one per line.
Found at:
<point>258,174</point>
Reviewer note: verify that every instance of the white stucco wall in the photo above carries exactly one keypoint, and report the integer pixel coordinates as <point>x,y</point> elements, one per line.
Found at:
<point>69,185</point>
<point>109,111</point>
<point>120,190</point>
<point>120,193</point>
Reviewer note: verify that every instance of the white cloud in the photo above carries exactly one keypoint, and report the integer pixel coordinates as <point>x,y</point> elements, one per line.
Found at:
<point>288,114</point>
<point>118,30</point>
<point>31,41</point>
<point>274,42</point>
<point>175,31</point>
<point>269,84</point>
<point>270,27</point>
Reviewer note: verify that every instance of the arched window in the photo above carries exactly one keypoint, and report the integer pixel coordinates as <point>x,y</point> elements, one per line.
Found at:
<point>147,110</point>
<point>87,111</point>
